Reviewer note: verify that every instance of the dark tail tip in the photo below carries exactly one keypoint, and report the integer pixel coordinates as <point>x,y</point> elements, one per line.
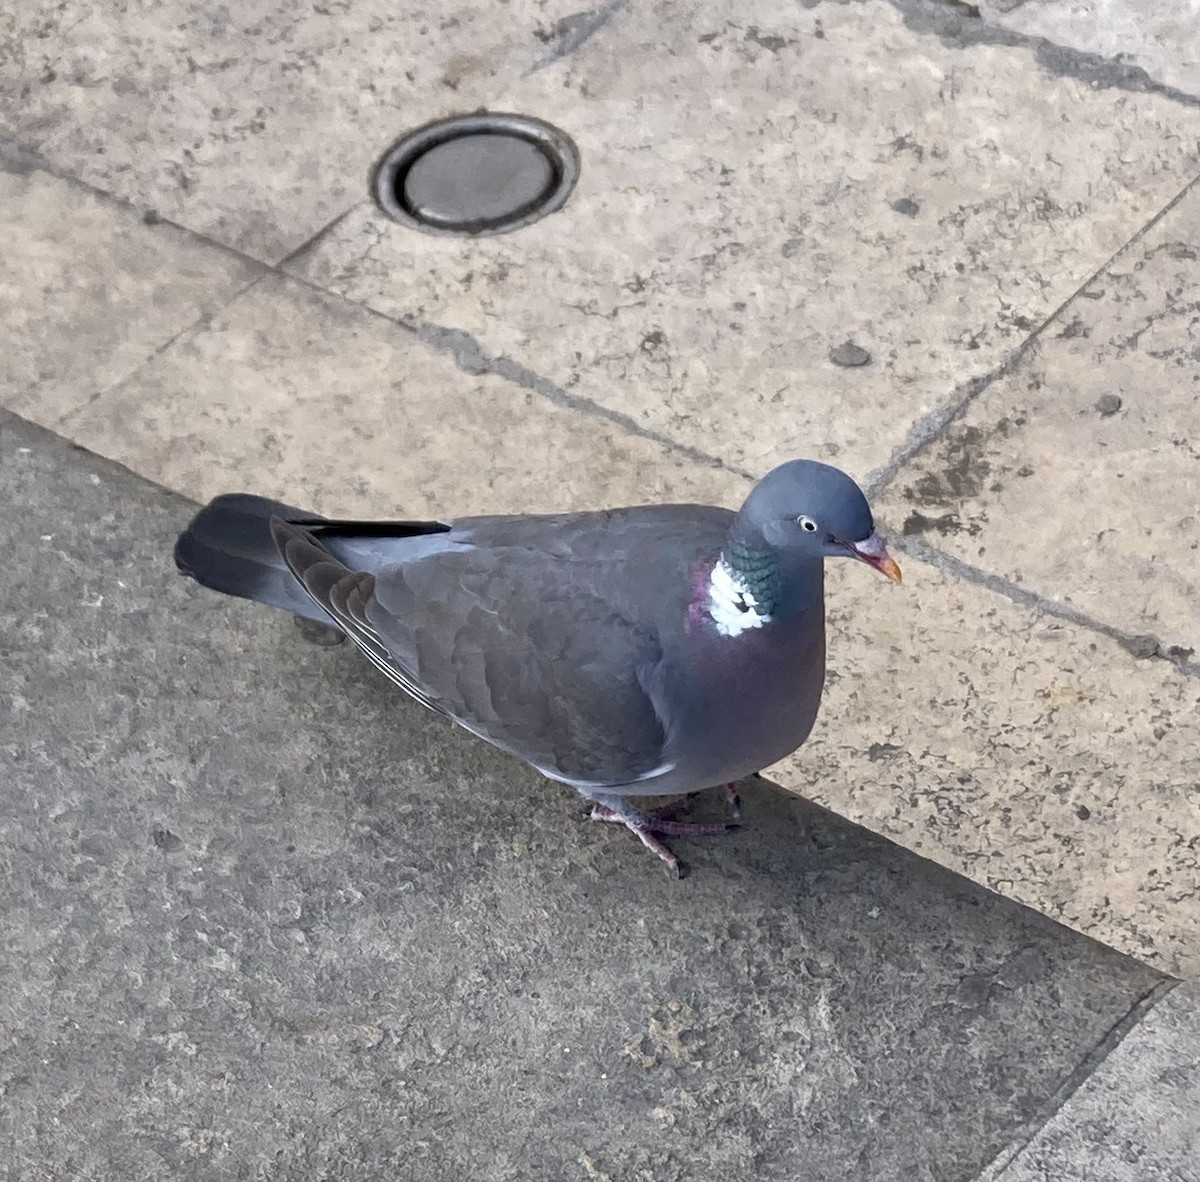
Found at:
<point>228,546</point>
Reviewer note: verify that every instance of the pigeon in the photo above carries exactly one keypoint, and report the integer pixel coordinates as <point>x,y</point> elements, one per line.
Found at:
<point>655,650</point>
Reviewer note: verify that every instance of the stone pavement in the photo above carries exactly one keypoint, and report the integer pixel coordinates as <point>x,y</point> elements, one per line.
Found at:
<point>991,202</point>
<point>266,919</point>
<point>1135,1118</point>
<point>996,203</point>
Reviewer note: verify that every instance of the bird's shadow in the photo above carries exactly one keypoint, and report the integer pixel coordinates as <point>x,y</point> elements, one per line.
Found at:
<point>425,784</point>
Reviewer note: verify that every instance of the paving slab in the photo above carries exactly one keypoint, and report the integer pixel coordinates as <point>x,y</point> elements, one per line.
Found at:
<point>1037,756</point>
<point>265,918</point>
<point>294,393</point>
<point>90,291</point>
<point>255,123</point>
<point>1133,1120</point>
<point>1074,475</point>
<point>856,179</point>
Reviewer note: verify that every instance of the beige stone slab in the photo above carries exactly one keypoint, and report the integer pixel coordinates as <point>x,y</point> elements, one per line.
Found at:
<point>1034,756</point>
<point>758,190</point>
<point>292,393</point>
<point>1048,483</point>
<point>89,291</point>
<point>1159,36</point>
<point>255,122</point>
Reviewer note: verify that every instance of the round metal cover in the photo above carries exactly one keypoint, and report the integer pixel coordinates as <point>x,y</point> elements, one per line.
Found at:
<point>476,174</point>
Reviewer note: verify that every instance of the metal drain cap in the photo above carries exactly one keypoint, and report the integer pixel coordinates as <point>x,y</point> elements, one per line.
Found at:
<point>476,174</point>
<point>476,179</point>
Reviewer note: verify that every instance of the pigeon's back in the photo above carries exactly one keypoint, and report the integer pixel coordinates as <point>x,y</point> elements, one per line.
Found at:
<point>576,642</point>
<point>550,636</point>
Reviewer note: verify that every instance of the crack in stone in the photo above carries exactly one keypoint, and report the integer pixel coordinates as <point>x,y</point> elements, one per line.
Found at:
<point>1140,646</point>
<point>572,32</point>
<point>930,427</point>
<point>957,27</point>
<point>470,355</point>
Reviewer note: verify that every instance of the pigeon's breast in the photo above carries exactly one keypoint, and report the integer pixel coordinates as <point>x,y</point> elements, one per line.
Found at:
<point>752,699</point>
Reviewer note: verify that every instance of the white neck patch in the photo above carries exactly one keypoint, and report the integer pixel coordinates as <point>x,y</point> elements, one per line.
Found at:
<point>731,606</point>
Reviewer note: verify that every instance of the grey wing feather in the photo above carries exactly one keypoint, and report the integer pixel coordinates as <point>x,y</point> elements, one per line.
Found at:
<point>528,659</point>
<point>516,652</point>
<point>344,594</point>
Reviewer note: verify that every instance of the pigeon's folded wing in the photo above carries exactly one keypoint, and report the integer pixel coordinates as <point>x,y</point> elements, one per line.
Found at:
<point>512,644</point>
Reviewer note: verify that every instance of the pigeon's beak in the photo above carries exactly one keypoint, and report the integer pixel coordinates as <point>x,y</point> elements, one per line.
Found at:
<point>874,553</point>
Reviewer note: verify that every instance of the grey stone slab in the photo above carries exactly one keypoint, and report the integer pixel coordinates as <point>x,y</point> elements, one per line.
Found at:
<point>265,919</point>
<point>1137,1118</point>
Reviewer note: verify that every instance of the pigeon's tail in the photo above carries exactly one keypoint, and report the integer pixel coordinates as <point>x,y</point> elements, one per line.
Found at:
<point>228,547</point>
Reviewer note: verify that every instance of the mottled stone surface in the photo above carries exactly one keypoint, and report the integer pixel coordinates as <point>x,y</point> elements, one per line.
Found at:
<point>90,291</point>
<point>800,229</point>
<point>1076,475</point>
<point>851,178</point>
<point>266,919</point>
<point>1134,1120</point>
<point>296,394</point>
<point>255,123</point>
<point>1156,39</point>
<point>1036,756</point>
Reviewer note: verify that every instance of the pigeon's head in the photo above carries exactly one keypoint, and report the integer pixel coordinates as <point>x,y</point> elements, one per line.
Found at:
<point>803,507</point>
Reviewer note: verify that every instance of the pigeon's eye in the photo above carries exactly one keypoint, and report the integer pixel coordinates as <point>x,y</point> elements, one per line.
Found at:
<point>807,524</point>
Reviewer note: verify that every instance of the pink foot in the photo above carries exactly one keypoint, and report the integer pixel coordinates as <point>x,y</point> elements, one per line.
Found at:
<point>646,825</point>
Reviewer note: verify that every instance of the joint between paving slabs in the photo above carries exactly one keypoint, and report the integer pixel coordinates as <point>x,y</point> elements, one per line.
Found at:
<point>469,354</point>
<point>1083,1071</point>
<point>930,427</point>
<point>18,160</point>
<point>1140,646</point>
<point>201,322</point>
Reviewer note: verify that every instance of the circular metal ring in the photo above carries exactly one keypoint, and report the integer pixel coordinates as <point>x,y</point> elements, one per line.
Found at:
<point>524,169</point>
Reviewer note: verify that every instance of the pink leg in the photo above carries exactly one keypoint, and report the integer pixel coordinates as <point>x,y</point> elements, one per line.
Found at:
<point>654,821</point>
